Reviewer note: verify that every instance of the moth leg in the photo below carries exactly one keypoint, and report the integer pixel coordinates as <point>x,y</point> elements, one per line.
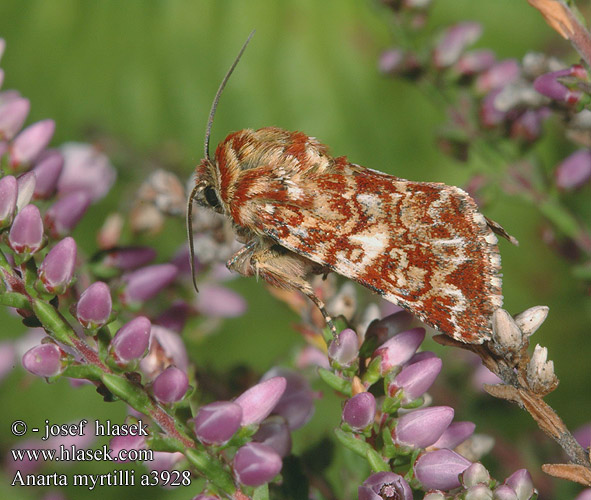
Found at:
<point>281,268</point>
<point>239,260</point>
<point>322,308</point>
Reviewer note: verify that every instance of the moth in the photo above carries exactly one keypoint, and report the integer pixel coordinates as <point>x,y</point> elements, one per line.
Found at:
<point>299,211</point>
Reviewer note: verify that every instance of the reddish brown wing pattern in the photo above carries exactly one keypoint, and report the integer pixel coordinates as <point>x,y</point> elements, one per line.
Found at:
<point>423,246</point>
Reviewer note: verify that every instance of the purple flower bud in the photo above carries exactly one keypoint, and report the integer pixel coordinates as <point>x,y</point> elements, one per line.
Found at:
<point>490,115</point>
<point>12,116</point>
<point>164,461</point>
<point>455,39</point>
<point>44,360</point>
<point>455,434</point>
<point>26,188</point>
<point>389,326</point>
<point>166,348</point>
<point>94,306</point>
<point>220,302</point>
<point>297,403</point>
<point>9,95</point>
<point>258,401</point>
<point>549,85</point>
<point>345,348</point>
<point>574,171</point>
<point>8,195</point>
<point>583,435</point>
<point>482,375</point>
<point>311,356</point>
<point>255,464</point>
<point>57,268</point>
<point>384,485</point>
<point>128,443</point>
<point>26,233</point>
<point>528,125</point>
<point>391,61</point>
<point>584,495</point>
<point>416,378</point>
<point>475,474</point>
<point>360,410</point>
<point>85,169</point>
<point>65,213</point>
<point>204,496</point>
<point>217,422</point>
<point>399,349</point>
<point>128,258</point>
<point>504,492</point>
<point>131,340</point>
<point>274,432</point>
<point>31,141</point>
<point>522,484</point>
<point>440,469</point>
<point>475,61</point>
<point>175,317</point>
<point>171,385</point>
<point>478,492</point>
<point>147,282</point>
<point>421,428</point>
<point>498,75</point>
<point>2,47</point>
<point>47,171</point>
<point>420,356</point>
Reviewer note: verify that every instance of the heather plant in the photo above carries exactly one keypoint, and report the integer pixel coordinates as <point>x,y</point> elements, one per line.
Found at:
<point>115,318</point>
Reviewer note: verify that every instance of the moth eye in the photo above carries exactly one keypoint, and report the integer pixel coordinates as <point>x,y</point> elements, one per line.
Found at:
<point>211,197</point>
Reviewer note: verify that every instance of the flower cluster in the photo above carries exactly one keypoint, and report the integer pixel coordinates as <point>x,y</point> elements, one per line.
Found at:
<point>389,404</point>
<point>497,110</point>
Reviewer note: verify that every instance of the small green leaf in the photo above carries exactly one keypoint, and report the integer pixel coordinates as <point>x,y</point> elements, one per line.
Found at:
<point>388,445</point>
<point>162,442</point>
<point>53,322</point>
<point>126,390</point>
<point>13,299</point>
<point>261,492</point>
<point>83,371</point>
<point>376,462</point>
<point>211,469</point>
<point>335,382</point>
<point>372,375</point>
<point>350,441</point>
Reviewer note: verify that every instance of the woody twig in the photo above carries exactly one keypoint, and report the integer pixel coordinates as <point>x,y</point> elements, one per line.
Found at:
<point>527,379</point>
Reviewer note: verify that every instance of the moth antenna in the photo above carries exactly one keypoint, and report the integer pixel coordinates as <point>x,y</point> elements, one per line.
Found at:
<point>197,188</point>
<point>216,99</point>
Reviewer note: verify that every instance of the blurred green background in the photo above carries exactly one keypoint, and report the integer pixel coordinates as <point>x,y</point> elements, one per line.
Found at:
<point>143,74</point>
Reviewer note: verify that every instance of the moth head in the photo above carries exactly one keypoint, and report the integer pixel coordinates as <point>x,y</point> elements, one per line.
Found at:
<point>205,192</point>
